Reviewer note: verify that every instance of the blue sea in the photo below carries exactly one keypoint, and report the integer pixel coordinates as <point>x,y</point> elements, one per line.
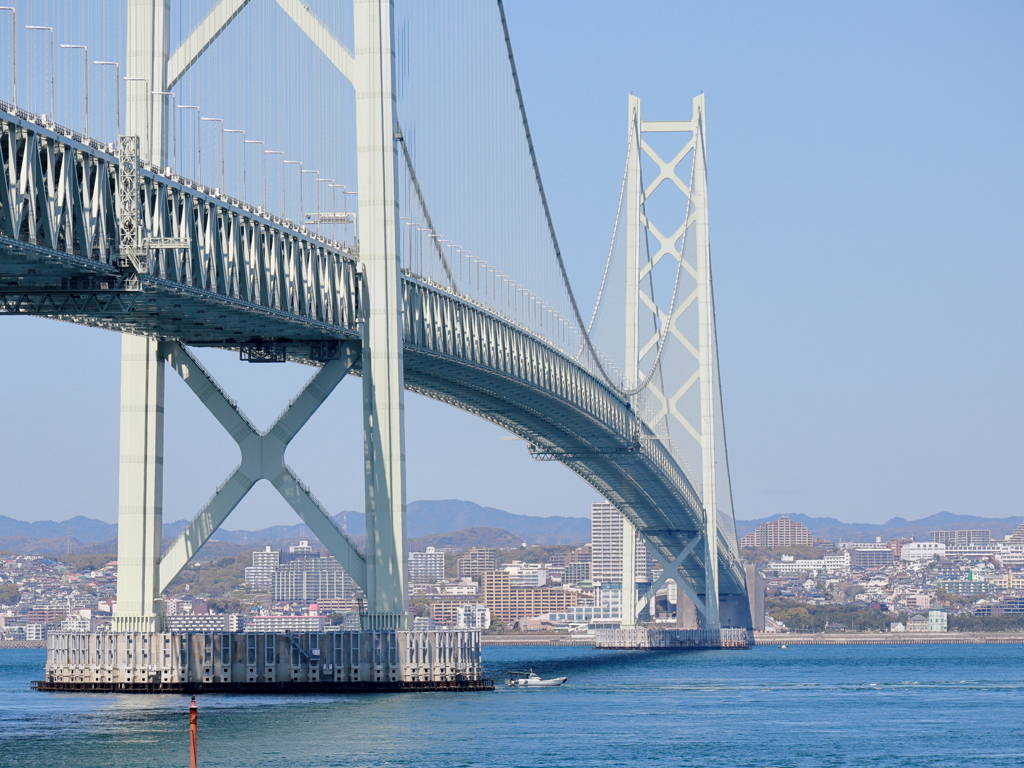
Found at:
<point>809,706</point>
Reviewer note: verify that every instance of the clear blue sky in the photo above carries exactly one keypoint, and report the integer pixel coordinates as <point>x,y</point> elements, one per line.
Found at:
<point>867,181</point>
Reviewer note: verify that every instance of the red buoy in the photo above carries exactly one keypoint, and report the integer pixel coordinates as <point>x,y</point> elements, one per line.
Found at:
<point>193,733</point>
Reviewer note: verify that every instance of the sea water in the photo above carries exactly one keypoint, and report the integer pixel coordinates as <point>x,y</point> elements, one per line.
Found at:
<point>813,706</point>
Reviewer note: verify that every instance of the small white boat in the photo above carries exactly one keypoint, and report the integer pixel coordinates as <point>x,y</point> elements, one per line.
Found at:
<point>782,647</point>
<point>531,680</point>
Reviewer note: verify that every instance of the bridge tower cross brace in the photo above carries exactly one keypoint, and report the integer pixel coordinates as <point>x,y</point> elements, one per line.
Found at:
<point>151,70</point>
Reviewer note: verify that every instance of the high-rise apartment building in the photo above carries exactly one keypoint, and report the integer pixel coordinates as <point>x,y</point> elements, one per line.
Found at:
<point>574,573</point>
<point>426,567</point>
<point>871,557</point>
<point>508,603</point>
<point>961,538</point>
<point>476,561</point>
<point>779,533</point>
<point>606,547</point>
<point>260,575</point>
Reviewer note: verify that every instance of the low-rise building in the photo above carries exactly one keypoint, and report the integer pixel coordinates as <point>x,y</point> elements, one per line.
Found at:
<point>308,623</point>
<point>917,623</point>
<point>922,550</point>
<point>205,622</point>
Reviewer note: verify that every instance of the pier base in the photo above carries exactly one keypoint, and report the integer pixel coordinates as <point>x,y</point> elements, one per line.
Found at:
<point>648,639</point>
<point>264,662</point>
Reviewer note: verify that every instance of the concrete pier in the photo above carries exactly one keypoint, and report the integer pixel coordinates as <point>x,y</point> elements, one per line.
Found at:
<point>255,662</point>
<point>649,639</point>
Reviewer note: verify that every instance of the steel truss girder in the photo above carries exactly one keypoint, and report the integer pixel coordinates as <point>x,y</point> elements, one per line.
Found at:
<point>262,459</point>
<point>67,302</point>
<point>59,193</point>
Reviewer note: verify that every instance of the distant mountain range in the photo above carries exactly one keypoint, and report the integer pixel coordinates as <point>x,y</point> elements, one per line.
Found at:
<point>897,527</point>
<point>451,523</point>
<point>433,520</point>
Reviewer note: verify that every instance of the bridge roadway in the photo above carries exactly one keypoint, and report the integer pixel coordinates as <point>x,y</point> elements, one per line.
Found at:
<point>246,277</point>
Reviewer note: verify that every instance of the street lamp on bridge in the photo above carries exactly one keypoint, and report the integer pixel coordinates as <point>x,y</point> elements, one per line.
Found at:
<point>245,183</point>
<point>199,140</point>
<point>276,152</point>
<point>85,51</point>
<point>117,87</point>
<point>174,129</point>
<point>253,141</point>
<point>221,121</point>
<point>53,88</point>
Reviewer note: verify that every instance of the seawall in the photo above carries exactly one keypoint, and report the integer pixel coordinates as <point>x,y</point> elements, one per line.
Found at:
<point>888,638</point>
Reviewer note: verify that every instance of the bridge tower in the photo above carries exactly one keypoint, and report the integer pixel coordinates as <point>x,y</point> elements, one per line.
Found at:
<point>140,477</point>
<point>151,71</point>
<point>683,238</point>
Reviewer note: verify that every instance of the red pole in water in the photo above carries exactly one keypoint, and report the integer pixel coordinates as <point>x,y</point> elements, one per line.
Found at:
<point>193,733</point>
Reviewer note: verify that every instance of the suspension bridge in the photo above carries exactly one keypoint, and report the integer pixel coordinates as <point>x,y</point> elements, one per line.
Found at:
<point>400,233</point>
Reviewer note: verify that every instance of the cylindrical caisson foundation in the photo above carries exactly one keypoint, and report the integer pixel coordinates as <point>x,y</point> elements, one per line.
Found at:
<point>258,662</point>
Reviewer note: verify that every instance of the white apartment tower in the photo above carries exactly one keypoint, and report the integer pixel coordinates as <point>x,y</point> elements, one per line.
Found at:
<point>426,567</point>
<point>606,540</point>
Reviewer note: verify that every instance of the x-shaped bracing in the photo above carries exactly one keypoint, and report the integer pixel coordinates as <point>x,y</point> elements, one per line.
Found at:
<point>262,459</point>
<point>670,570</point>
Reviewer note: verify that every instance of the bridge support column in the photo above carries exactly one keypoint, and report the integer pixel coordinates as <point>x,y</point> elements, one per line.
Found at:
<point>382,366</point>
<point>140,486</point>
<point>629,596</point>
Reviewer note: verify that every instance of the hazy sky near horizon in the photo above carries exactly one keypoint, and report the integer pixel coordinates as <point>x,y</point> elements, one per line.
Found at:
<point>866,178</point>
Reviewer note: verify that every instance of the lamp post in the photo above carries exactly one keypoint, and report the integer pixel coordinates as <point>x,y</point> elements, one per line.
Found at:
<point>320,181</point>
<point>344,203</point>
<point>277,152</point>
<point>221,121</point>
<point>85,52</point>
<point>245,183</point>
<point>53,89</point>
<point>14,47</point>
<point>298,163</point>
<point>253,141</point>
<point>117,87</point>
<point>199,141</point>
<point>174,130</point>
<point>316,188</point>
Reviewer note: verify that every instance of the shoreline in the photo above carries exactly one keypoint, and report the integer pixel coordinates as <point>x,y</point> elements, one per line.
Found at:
<point>889,638</point>
<point>777,639</point>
